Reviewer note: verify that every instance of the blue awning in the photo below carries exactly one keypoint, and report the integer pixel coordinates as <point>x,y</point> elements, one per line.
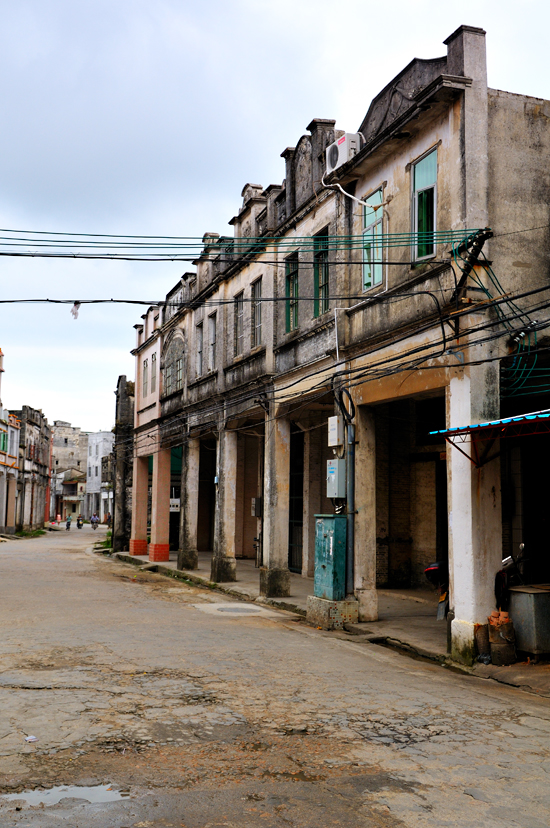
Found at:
<point>507,423</point>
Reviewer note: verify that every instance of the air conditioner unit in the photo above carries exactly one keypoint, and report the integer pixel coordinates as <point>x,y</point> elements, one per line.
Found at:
<point>342,150</point>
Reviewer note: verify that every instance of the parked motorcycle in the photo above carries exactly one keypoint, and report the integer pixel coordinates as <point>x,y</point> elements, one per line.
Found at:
<point>438,575</point>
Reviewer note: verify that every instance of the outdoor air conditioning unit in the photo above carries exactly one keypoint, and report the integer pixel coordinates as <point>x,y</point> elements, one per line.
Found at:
<point>342,150</point>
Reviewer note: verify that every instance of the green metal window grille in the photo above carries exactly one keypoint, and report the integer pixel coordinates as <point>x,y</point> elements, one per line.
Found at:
<point>424,185</point>
<point>212,342</point>
<point>292,293</point>
<point>256,313</point>
<point>179,374</point>
<point>168,379</point>
<point>3,441</point>
<point>320,274</point>
<point>372,241</point>
<point>239,324</point>
<point>199,349</point>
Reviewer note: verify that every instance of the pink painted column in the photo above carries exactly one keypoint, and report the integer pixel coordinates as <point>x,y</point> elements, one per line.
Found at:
<point>140,484</point>
<point>159,548</point>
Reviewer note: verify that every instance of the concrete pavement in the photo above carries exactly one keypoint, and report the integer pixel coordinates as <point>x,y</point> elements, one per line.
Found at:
<point>209,715</point>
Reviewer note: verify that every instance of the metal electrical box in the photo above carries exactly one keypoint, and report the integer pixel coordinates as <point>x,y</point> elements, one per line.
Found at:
<point>336,478</point>
<point>336,431</point>
<point>330,557</point>
<point>530,613</point>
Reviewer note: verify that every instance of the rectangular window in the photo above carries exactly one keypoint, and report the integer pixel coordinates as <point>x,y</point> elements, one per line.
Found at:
<point>424,205</point>
<point>153,373</point>
<point>145,375</point>
<point>89,471</point>
<point>372,241</point>
<point>13,443</point>
<point>320,273</point>
<point>96,471</point>
<point>212,342</point>
<point>200,338</point>
<point>168,380</point>
<point>256,313</point>
<point>3,441</point>
<point>292,293</point>
<point>179,374</point>
<point>239,324</point>
<point>90,450</point>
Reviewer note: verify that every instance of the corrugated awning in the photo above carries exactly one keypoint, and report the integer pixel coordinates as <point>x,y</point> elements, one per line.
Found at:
<point>538,422</point>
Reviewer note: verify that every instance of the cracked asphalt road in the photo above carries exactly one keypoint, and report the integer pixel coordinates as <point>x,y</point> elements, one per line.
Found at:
<point>215,718</point>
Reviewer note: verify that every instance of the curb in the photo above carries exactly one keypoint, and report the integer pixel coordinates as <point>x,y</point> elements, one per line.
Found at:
<point>183,575</point>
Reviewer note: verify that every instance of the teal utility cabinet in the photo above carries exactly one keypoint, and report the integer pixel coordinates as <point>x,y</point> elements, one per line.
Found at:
<point>330,557</point>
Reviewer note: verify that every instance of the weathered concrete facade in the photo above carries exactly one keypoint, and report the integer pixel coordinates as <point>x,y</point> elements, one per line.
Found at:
<point>33,484</point>
<point>9,463</point>
<point>392,297</point>
<point>123,464</point>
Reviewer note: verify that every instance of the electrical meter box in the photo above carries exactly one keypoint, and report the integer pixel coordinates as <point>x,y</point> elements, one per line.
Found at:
<point>330,557</point>
<point>336,431</point>
<point>336,478</point>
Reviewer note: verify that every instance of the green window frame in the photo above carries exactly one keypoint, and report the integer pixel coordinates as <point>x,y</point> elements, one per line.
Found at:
<point>239,324</point>
<point>179,374</point>
<point>200,341</point>
<point>3,441</point>
<point>168,380</point>
<point>291,266</point>
<point>424,205</point>
<point>320,273</point>
<point>256,313</point>
<point>373,220</point>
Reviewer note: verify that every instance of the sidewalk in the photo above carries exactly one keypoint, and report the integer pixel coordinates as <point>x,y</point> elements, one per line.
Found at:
<point>406,618</point>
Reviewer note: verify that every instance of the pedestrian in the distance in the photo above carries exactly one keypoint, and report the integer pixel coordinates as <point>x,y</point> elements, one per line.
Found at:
<point>68,524</point>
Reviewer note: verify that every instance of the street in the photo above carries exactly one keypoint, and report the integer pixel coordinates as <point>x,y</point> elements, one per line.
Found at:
<point>201,711</point>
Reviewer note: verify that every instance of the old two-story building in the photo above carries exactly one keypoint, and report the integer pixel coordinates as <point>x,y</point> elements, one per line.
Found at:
<point>400,280</point>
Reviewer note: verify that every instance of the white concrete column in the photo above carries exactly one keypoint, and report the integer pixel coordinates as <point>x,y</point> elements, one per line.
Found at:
<point>224,567</point>
<point>188,557</point>
<point>475,520</point>
<point>365,518</point>
<point>275,575</point>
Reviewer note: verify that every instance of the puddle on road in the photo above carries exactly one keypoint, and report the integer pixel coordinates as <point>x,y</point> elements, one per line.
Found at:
<point>51,796</point>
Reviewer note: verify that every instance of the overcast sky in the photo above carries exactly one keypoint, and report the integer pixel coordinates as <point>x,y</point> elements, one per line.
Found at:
<point>148,117</point>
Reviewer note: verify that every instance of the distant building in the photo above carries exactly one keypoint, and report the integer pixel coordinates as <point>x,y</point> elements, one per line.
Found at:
<point>9,464</point>
<point>99,496</point>
<point>33,485</point>
<point>70,447</point>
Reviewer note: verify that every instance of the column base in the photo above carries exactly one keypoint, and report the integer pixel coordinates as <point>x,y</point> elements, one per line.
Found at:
<point>463,647</point>
<point>223,569</point>
<point>368,604</point>
<point>138,546</point>
<point>274,583</point>
<point>159,552</point>
<point>188,559</point>
<point>331,615</point>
